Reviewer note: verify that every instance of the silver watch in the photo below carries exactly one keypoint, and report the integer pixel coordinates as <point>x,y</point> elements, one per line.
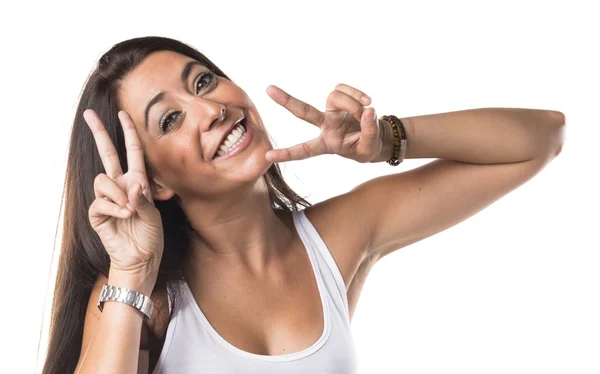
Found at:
<point>124,295</point>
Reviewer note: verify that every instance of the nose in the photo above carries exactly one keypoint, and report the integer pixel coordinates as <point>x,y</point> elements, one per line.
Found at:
<point>208,114</point>
<point>222,112</point>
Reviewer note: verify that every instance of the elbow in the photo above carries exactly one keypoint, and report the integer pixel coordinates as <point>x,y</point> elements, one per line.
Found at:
<point>554,139</point>
<point>560,135</point>
<point>558,116</point>
<point>557,143</point>
<point>557,137</point>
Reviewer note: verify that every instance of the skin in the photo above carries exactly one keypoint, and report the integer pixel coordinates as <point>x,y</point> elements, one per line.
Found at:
<point>222,199</point>
<point>243,254</point>
<point>251,257</point>
<point>244,258</point>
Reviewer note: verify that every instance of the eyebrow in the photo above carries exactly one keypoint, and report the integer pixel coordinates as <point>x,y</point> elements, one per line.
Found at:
<point>185,73</point>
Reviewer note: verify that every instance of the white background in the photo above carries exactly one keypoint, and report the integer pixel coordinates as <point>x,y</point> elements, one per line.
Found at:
<point>514,289</point>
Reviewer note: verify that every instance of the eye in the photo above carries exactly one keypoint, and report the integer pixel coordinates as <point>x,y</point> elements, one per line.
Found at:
<point>207,78</point>
<point>167,120</point>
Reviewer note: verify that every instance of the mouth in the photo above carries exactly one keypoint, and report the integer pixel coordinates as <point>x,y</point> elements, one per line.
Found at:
<point>232,139</point>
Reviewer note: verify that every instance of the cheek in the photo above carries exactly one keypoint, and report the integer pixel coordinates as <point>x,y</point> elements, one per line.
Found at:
<point>169,164</point>
<point>239,98</point>
<point>184,159</point>
<point>183,150</point>
<point>256,119</point>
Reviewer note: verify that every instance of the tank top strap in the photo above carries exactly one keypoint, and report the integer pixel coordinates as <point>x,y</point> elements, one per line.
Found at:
<point>329,270</point>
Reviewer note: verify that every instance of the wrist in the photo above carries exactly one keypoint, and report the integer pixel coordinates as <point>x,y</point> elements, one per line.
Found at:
<point>142,282</point>
<point>387,141</point>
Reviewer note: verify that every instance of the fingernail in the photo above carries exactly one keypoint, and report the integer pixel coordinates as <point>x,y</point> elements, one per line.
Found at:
<point>125,212</point>
<point>130,207</point>
<point>365,100</point>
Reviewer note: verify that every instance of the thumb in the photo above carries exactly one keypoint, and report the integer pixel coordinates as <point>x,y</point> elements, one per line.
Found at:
<point>369,126</point>
<point>138,199</point>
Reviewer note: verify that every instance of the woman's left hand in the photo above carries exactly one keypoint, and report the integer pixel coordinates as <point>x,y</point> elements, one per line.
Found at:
<point>347,127</point>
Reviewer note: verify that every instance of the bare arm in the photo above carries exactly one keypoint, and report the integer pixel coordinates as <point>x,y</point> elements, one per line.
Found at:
<point>482,136</point>
<point>484,154</point>
<point>111,339</point>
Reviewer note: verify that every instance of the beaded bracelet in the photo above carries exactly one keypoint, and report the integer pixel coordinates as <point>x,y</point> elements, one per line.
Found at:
<point>399,141</point>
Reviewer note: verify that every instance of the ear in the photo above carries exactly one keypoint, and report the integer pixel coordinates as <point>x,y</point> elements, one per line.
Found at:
<point>160,192</point>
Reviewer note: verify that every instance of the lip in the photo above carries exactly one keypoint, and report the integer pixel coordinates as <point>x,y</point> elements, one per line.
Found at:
<point>226,133</point>
<point>240,148</point>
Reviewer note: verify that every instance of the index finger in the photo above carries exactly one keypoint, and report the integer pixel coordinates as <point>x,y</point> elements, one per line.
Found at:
<point>301,151</point>
<point>298,108</point>
<point>106,149</point>
<point>135,152</point>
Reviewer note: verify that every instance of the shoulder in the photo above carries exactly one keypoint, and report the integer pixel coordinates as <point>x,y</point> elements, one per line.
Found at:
<point>338,222</point>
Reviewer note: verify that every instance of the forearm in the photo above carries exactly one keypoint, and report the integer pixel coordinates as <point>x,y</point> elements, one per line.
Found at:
<point>115,346</point>
<point>481,136</point>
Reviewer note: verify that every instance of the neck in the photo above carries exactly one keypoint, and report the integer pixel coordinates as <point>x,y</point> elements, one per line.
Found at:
<point>244,234</point>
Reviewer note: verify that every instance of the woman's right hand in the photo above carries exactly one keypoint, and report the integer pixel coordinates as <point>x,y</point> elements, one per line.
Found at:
<point>134,237</point>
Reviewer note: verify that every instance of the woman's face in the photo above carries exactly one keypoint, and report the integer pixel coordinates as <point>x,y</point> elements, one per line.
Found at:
<point>186,126</point>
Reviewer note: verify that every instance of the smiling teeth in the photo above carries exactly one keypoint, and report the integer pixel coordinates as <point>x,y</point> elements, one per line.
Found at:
<point>233,140</point>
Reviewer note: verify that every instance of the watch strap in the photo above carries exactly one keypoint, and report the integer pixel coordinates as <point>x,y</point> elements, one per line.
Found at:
<point>124,295</point>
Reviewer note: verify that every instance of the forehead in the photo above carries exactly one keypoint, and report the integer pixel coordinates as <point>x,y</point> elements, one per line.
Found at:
<point>159,71</point>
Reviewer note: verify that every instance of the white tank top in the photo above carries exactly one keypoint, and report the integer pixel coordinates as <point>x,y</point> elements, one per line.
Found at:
<point>192,345</point>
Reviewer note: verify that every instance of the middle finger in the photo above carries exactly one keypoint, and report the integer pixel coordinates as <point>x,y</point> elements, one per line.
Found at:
<point>133,144</point>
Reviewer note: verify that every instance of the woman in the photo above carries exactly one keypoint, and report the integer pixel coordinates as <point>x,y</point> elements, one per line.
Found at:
<point>173,192</point>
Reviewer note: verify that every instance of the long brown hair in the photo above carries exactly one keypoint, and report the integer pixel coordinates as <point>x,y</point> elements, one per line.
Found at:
<point>82,256</point>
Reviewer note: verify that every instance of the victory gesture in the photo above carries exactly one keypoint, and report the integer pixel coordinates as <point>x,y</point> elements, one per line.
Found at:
<point>347,127</point>
<point>123,214</point>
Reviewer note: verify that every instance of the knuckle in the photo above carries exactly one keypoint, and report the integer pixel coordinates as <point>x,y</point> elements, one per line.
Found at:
<point>92,208</point>
<point>134,146</point>
<point>305,109</point>
<point>109,152</point>
<point>359,110</point>
<point>334,97</point>
<point>116,210</point>
<point>321,118</point>
<point>98,180</point>
<point>306,149</point>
